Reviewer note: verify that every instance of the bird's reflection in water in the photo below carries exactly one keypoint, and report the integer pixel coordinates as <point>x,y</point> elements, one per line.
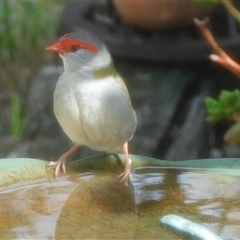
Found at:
<point>100,208</point>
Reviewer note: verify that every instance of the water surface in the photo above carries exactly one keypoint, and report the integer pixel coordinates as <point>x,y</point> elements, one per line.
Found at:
<point>93,205</point>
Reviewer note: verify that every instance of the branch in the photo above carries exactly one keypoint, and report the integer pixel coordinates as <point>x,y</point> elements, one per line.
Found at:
<point>220,57</point>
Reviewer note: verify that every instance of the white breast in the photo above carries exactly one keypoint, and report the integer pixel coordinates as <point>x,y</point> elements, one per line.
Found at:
<point>94,112</point>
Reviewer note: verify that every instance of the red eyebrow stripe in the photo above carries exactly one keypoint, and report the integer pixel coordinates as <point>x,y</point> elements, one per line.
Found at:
<point>68,43</point>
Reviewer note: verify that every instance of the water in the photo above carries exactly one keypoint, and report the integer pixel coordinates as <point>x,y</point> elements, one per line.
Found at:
<point>94,205</point>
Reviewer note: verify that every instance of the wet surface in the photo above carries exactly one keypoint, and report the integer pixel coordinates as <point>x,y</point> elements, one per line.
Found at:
<point>94,205</point>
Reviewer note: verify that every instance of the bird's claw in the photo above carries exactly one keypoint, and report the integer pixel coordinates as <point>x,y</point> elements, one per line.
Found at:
<point>60,164</point>
<point>124,177</point>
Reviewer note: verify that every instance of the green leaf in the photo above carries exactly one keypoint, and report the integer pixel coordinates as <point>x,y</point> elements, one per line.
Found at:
<point>211,103</point>
<point>225,106</point>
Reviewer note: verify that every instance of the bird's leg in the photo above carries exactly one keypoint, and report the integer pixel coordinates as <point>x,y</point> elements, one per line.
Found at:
<point>61,162</point>
<point>127,169</point>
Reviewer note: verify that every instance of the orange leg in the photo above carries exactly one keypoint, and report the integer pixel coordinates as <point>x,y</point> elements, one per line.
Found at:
<point>61,162</point>
<point>127,169</point>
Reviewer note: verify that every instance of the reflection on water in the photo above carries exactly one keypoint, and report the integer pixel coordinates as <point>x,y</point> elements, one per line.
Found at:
<point>31,211</point>
<point>94,206</point>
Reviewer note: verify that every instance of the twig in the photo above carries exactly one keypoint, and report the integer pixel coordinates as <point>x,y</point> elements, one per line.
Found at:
<point>221,61</point>
<point>221,56</point>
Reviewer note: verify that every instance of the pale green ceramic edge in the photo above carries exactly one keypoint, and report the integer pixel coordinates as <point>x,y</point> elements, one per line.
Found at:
<point>14,170</point>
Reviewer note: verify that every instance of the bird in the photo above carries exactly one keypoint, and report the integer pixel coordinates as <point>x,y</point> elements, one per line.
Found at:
<point>91,101</point>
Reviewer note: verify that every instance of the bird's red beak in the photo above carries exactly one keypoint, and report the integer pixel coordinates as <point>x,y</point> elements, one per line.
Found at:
<point>56,47</point>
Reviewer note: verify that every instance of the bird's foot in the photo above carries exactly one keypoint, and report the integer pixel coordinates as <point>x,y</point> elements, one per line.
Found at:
<point>60,164</point>
<point>124,177</point>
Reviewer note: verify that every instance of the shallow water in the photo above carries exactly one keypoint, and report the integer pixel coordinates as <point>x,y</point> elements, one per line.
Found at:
<point>94,205</point>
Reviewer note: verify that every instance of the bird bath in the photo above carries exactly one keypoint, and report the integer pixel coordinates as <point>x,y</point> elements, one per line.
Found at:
<point>89,203</point>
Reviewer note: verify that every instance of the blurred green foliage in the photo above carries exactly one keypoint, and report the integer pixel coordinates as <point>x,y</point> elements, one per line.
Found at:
<point>27,27</point>
<point>227,104</point>
<point>18,121</point>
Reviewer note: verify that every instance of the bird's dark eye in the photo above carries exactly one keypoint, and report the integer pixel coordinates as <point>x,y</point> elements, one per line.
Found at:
<point>75,48</point>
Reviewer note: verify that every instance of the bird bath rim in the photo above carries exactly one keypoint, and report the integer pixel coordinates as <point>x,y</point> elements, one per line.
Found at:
<point>16,170</point>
